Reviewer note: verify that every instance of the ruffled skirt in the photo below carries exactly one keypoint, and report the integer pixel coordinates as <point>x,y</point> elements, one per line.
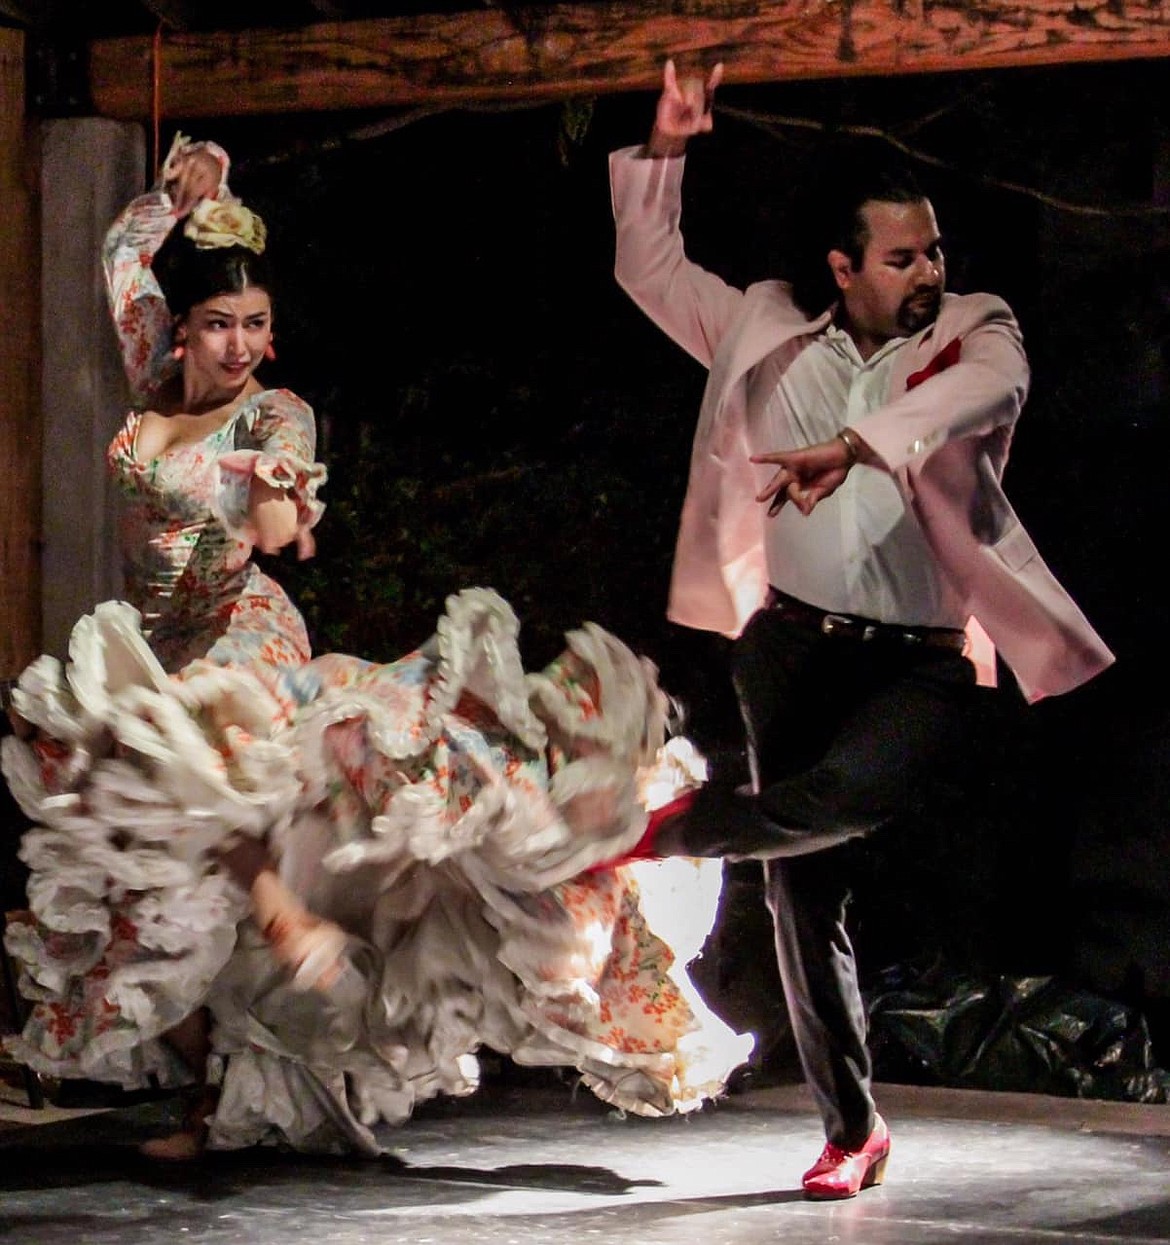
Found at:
<point>451,812</point>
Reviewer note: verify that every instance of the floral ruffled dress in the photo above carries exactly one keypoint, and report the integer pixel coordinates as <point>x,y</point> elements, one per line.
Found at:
<point>447,810</point>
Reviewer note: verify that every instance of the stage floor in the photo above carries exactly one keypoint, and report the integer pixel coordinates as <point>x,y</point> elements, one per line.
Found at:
<point>541,1166</point>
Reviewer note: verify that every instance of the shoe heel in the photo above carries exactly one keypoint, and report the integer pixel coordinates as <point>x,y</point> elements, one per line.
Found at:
<point>877,1173</point>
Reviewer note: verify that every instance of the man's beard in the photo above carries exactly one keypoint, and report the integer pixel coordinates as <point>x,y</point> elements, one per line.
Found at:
<point>919,310</point>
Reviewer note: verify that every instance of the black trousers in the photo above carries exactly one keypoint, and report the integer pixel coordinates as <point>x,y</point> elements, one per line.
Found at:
<point>843,737</point>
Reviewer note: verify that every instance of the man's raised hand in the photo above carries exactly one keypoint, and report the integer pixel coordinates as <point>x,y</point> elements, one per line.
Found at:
<point>684,109</point>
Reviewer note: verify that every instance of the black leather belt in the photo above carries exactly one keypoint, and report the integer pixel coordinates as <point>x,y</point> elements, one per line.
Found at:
<point>865,630</point>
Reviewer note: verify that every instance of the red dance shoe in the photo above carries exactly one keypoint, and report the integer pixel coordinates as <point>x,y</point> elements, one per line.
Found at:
<point>844,1173</point>
<point>645,848</point>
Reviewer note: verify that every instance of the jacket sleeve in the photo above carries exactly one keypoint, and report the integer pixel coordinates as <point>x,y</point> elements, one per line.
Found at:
<point>692,306</point>
<point>985,389</point>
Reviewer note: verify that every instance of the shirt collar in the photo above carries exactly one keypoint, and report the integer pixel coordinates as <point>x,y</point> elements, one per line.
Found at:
<point>840,342</point>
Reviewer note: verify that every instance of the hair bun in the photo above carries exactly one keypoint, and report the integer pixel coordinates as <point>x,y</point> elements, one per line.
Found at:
<point>219,248</point>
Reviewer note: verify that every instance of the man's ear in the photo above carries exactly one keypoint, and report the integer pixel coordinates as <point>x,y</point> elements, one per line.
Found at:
<point>842,268</point>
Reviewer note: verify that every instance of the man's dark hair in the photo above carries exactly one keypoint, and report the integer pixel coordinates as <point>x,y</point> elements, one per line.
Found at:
<point>827,217</point>
<point>188,275</point>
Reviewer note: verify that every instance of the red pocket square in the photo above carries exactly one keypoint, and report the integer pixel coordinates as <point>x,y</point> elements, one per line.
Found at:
<point>945,358</point>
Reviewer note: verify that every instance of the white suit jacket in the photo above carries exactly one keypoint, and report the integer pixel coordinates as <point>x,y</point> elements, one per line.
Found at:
<point>944,438</point>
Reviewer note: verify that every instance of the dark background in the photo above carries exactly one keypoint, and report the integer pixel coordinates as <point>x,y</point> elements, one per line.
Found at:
<point>494,411</point>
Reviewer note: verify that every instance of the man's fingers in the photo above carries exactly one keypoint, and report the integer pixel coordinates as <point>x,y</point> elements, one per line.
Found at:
<point>776,484</point>
<point>692,94</point>
<point>671,87</point>
<point>808,499</point>
<point>713,80</point>
<point>669,78</point>
<point>804,497</point>
<point>777,491</point>
<point>693,98</point>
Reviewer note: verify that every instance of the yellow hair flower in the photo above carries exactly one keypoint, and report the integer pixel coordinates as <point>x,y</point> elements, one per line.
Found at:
<point>215,224</point>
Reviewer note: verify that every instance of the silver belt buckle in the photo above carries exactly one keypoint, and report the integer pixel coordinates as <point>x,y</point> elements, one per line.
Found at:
<point>833,624</point>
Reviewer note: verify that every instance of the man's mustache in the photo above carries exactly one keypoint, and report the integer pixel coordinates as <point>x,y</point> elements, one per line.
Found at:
<point>923,301</point>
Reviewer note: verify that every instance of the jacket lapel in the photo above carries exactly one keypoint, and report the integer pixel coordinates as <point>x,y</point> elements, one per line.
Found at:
<point>769,320</point>
<point>918,356</point>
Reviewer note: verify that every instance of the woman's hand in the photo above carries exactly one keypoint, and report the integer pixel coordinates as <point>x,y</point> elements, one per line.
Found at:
<point>684,109</point>
<point>195,174</point>
<point>273,521</point>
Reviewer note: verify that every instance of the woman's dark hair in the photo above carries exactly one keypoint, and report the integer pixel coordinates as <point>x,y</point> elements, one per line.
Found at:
<point>188,274</point>
<point>845,176</point>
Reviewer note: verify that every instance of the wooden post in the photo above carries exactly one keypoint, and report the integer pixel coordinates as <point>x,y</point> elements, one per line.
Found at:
<point>20,424</point>
<point>90,168</point>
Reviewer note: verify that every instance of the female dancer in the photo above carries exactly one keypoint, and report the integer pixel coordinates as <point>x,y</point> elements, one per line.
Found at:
<point>322,882</point>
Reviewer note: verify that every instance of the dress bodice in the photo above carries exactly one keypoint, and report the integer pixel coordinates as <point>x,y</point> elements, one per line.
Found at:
<point>172,542</point>
<point>186,548</point>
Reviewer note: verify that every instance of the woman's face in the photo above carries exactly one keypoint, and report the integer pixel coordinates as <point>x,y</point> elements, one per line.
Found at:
<point>225,337</point>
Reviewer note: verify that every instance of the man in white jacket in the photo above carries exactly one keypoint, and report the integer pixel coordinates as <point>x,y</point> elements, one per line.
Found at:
<point>845,520</point>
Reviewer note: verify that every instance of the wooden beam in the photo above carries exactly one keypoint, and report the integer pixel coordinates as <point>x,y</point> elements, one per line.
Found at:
<point>567,50</point>
<point>20,426</point>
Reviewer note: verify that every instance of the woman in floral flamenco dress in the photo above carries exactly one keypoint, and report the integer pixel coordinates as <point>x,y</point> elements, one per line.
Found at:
<point>314,888</point>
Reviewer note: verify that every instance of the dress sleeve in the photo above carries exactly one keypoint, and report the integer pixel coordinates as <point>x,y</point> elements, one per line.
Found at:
<point>140,314</point>
<point>276,442</point>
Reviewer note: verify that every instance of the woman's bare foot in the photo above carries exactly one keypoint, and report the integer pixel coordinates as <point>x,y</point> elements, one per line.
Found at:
<point>190,1141</point>
<point>185,1146</point>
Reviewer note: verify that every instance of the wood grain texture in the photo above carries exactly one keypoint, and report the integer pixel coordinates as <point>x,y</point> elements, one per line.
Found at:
<point>567,50</point>
<point>20,432</point>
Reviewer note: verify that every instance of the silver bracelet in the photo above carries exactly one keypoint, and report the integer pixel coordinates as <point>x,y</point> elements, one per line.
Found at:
<point>849,438</point>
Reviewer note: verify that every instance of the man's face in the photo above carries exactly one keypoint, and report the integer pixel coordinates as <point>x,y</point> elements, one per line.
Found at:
<point>898,287</point>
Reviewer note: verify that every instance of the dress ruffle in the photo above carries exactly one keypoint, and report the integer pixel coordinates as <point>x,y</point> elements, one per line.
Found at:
<point>443,809</point>
<point>278,458</point>
<point>136,779</point>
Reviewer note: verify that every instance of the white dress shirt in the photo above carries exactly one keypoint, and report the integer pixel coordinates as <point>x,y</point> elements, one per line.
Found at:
<point>861,550</point>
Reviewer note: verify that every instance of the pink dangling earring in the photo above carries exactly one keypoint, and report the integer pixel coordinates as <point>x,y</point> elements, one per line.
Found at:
<point>178,351</point>
<point>270,352</point>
